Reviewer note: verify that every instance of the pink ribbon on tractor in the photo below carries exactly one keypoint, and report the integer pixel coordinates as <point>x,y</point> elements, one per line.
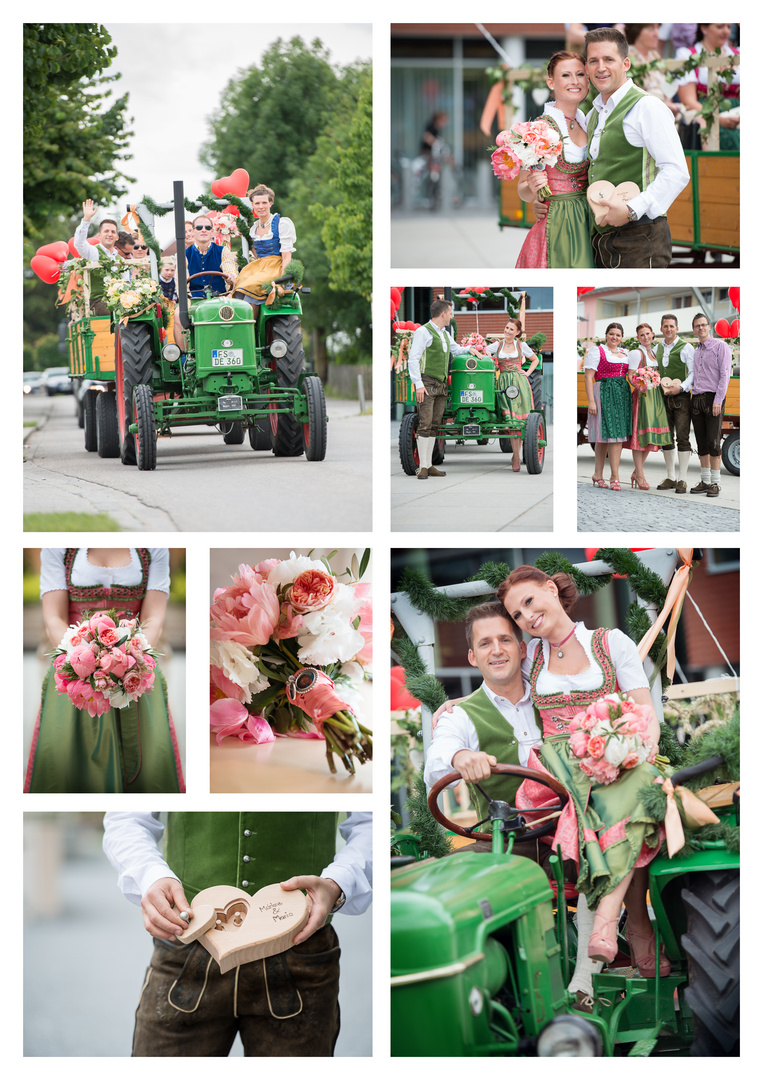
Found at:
<point>672,606</point>
<point>696,812</point>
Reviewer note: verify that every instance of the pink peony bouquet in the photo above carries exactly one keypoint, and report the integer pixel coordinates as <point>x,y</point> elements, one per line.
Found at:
<point>289,643</point>
<point>646,378</point>
<point>532,145</point>
<point>475,341</point>
<point>104,662</point>
<point>612,735</point>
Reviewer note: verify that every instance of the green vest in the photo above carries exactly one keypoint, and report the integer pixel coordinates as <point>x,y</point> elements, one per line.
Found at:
<point>617,160</point>
<point>434,359</point>
<point>496,737</point>
<point>676,368</point>
<point>247,850</point>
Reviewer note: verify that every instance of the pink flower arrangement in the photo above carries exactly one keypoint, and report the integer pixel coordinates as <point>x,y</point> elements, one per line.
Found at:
<point>610,736</point>
<point>285,623</point>
<point>533,144</point>
<point>475,341</point>
<point>646,378</point>
<point>103,662</point>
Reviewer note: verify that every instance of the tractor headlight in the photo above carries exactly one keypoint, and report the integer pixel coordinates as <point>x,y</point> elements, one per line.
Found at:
<point>171,353</point>
<point>569,1036</point>
<point>278,349</point>
<point>512,391</point>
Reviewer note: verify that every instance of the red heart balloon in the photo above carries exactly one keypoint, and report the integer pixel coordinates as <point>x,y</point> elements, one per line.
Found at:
<point>722,328</point>
<point>394,295</point>
<point>58,251</point>
<point>582,291</point>
<point>734,329</point>
<point>392,309</point>
<point>232,210</point>
<point>72,248</point>
<point>235,184</point>
<point>734,297</point>
<point>47,269</point>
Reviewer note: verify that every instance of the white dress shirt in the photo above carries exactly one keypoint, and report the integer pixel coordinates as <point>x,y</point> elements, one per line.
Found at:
<point>455,731</point>
<point>649,123</point>
<point>131,844</point>
<point>422,339</point>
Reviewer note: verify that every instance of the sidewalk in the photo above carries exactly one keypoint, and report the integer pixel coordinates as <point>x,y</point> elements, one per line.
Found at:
<point>479,493</point>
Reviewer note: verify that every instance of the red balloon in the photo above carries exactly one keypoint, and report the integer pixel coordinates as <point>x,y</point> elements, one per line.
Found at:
<point>47,269</point>
<point>392,309</point>
<point>232,210</point>
<point>58,251</point>
<point>734,329</point>
<point>581,291</point>
<point>72,248</point>
<point>235,184</point>
<point>722,328</point>
<point>734,297</point>
<point>400,696</point>
<point>395,297</point>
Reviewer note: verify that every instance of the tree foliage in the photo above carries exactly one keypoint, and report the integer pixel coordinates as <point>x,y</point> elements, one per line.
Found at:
<point>75,135</point>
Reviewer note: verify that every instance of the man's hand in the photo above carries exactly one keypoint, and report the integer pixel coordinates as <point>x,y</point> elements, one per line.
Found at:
<point>159,916</point>
<point>670,391</point>
<point>323,894</point>
<point>474,765</point>
<point>617,214</point>
<point>421,393</point>
<point>716,409</point>
<point>540,209</point>
<point>88,209</point>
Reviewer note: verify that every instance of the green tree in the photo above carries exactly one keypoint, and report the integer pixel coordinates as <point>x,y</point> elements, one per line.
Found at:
<point>75,137</point>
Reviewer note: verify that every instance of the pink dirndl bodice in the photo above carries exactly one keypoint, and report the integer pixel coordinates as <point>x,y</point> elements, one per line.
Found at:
<point>570,180</point>
<point>126,600</point>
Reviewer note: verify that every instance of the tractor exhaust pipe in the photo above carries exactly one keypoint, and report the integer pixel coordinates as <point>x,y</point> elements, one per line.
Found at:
<point>182,274</point>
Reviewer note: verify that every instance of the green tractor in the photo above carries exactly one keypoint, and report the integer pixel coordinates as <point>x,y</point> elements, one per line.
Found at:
<point>471,415</point>
<point>483,949</point>
<point>229,367</point>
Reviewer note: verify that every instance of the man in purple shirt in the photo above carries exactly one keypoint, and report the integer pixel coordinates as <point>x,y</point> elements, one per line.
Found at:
<point>712,370</point>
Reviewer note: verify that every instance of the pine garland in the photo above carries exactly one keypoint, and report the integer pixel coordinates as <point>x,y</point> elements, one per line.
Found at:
<point>435,842</point>
<point>421,685</point>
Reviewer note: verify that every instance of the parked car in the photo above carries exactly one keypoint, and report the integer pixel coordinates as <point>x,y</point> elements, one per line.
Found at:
<point>56,380</point>
<point>32,382</point>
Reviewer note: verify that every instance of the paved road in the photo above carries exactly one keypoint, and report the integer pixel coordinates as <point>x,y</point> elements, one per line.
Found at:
<point>200,484</point>
<point>480,493</point>
<point>631,510</point>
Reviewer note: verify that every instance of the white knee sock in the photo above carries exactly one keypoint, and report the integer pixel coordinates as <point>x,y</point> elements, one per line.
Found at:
<point>425,452</point>
<point>670,463</point>
<point>715,477</point>
<point>585,968</point>
<point>683,463</point>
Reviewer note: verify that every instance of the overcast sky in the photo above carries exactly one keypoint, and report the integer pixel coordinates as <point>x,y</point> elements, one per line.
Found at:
<point>175,75</point>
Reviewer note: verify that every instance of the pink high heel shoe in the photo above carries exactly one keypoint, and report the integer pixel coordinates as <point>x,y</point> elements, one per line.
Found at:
<point>646,962</point>
<point>639,481</point>
<point>599,481</point>
<point>603,946</point>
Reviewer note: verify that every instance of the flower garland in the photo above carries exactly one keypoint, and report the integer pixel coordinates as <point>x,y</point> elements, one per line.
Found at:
<point>126,299</point>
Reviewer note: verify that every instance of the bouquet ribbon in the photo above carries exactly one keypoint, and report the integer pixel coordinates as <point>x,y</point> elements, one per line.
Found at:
<point>696,812</point>
<point>672,606</point>
<point>312,691</point>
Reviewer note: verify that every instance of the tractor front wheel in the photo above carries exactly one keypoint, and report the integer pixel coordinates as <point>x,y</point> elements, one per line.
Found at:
<point>134,360</point>
<point>233,433</point>
<point>88,413</point>
<point>409,451</point>
<point>287,437</point>
<point>535,433</point>
<point>144,418</point>
<point>711,943</point>
<point>314,431</point>
<point>107,424</point>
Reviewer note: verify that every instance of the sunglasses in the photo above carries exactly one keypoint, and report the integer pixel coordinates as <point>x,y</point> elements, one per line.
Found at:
<point>200,227</point>
<point>140,247</point>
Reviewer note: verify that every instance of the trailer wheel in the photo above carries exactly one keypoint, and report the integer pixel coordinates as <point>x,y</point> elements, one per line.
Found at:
<point>711,943</point>
<point>287,437</point>
<point>88,413</point>
<point>730,453</point>
<point>409,451</point>
<point>535,431</point>
<point>438,452</point>
<point>505,445</point>
<point>145,437</point>
<point>233,433</point>
<point>134,358</point>
<point>107,424</point>
<point>260,435</point>
<point>314,431</point>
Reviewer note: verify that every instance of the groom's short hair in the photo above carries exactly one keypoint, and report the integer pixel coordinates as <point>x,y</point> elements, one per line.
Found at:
<point>493,609</point>
<point>606,33</point>
<point>438,307</point>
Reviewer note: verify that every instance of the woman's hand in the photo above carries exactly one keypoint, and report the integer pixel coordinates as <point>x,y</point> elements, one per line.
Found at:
<point>449,706</point>
<point>537,180</point>
<point>592,408</point>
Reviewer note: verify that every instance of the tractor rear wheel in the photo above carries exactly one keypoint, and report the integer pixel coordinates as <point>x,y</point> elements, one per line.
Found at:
<point>134,368</point>
<point>88,413</point>
<point>711,943</point>
<point>233,433</point>
<point>107,424</point>
<point>535,432</point>
<point>438,452</point>
<point>536,383</point>
<point>409,451</point>
<point>287,438</point>
<point>314,431</point>
<point>730,453</point>
<point>145,437</point>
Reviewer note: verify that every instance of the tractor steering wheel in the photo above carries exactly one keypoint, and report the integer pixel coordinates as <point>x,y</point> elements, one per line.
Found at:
<point>213,273</point>
<point>503,770</point>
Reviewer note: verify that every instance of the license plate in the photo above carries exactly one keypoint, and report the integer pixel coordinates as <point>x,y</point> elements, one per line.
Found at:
<point>227,358</point>
<point>471,397</point>
<point>230,403</point>
<point>471,429</point>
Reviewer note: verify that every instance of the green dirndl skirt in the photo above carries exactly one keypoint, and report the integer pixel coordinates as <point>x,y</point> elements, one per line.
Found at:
<point>614,832</point>
<point>124,750</point>
<point>514,408</point>
<point>652,427</point>
<point>616,409</point>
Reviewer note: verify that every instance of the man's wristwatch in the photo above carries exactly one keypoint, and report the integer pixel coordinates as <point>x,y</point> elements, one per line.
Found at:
<point>341,900</point>
<point>632,215</point>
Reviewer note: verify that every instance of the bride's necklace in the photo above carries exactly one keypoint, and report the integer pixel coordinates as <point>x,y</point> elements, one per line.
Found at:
<point>570,120</point>
<point>558,646</point>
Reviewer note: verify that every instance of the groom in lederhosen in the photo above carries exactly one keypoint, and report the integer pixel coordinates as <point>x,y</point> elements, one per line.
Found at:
<point>675,360</point>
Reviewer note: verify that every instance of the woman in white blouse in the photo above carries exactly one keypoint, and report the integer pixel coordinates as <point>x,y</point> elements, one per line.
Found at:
<point>610,413</point>
<point>273,240</point>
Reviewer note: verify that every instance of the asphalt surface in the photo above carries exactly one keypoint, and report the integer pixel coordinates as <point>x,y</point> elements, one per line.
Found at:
<point>200,483</point>
<point>633,510</point>
<point>479,492</point>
